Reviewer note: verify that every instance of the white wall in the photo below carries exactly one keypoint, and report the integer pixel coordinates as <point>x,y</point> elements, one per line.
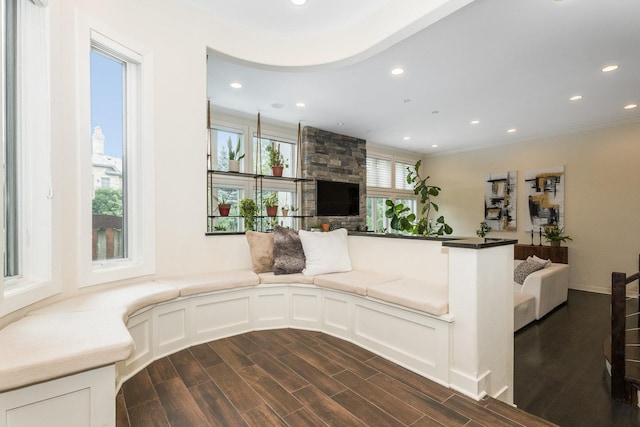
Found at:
<point>602,201</point>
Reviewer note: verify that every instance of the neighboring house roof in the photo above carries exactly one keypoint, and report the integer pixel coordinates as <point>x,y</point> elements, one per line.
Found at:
<point>112,164</point>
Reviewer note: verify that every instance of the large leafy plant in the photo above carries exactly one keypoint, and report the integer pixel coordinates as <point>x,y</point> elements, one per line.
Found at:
<point>402,219</point>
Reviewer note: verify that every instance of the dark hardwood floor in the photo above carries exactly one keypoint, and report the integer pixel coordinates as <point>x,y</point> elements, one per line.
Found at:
<point>559,368</point>
<point>296,378</point>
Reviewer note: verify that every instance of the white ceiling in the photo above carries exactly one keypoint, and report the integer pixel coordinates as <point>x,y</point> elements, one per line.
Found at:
<point>508,64</point>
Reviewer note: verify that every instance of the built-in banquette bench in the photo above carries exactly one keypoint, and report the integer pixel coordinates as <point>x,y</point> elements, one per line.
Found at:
<point>442,309</point>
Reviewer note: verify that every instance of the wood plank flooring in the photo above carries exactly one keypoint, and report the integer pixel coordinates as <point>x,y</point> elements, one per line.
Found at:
<point>290,377</point>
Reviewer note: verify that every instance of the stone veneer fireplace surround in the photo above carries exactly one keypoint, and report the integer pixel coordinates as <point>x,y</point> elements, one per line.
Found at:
<point>333,157</point>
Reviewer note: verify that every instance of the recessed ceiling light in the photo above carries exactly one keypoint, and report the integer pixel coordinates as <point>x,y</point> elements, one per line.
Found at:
<point>300,104</point>
<point>397,71</point>
<point>512,130</point>
<point>406,138</point>
<point>277,105</point>
<point>474,122</point>
<point>298,2</point>
<point>406,100</point>
<point>235,85</point>
<point>575,98</point>
<point>630,106</point>
<point>435,112</point>
<point>610,68</point>
<point>340,124</point>
<point>434,145</point>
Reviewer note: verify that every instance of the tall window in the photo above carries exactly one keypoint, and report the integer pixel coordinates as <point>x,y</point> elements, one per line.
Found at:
<point>10,106</point>
<point>387,179</point>
<point>25,125</point>
<point>226,143</point>
<point>117,220</point>
<point>108,149</point>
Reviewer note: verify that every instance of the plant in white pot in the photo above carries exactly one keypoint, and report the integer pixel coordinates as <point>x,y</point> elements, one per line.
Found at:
<point>555,236</point>
<point>234,155</point>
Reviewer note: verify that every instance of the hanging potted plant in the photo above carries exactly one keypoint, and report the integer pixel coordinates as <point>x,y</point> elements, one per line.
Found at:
<point>554,235</point>
<point>234,156</point>
<point>223,206</point>
<point>277,162</point>
<point>248,210</point>
<point>271,204</point>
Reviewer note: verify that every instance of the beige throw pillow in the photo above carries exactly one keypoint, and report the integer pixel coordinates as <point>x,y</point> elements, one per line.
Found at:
<point>261,248</point>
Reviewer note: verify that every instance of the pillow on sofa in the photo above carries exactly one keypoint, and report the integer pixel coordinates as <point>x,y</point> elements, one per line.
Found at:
<point>325,252</point>
<point>545,262</point>
<point>261,248</point>
<point>524,269</point>
<point>288,255</point>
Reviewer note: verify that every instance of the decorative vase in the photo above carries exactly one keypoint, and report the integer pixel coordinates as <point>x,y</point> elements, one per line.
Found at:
<point>272,210</point>
<point>224,209</point>
<point>277,170</point>
<point>234,166</point>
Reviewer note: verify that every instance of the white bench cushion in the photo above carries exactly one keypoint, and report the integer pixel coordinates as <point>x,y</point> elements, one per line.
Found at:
<point>274,279</point>
<point>209,282</point>
<point>417,294</point>
<point>42,348</point>
<point>352,281</point>
<point>128,297</point>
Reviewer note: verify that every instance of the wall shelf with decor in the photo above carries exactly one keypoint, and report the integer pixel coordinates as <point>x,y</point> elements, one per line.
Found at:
<point>259,184</point>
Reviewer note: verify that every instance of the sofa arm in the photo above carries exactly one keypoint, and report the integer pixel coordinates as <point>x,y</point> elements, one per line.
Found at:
<point>550,287</point>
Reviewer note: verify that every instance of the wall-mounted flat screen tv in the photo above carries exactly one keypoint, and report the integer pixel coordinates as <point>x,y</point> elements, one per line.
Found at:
<point>335,198</point>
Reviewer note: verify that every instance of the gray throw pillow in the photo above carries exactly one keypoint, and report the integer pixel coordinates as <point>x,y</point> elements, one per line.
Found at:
<point>288,256</point>
<point>524,269</point>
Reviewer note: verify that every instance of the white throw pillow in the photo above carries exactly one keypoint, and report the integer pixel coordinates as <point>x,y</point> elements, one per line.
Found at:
<point>545,262</point>
<point>325,252</point>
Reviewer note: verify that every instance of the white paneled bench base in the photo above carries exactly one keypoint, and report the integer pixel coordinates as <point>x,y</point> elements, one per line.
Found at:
<point>416,340</point>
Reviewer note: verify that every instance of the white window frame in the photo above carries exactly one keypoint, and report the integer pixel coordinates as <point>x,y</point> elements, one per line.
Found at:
<point>35,280</point>
<point>139,160</point>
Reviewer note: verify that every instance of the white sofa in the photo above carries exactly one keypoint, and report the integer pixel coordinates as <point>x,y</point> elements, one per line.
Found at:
<point>539,294</point>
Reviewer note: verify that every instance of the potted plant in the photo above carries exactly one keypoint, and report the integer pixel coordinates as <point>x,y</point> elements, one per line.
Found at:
<point>285,210</point>
<point>223,205</point>
<point>277,162</point>
<point>248,210</point>
<point>484,229</point>
<point>555,236</point>
<point>271,203</point>
<point>234,156</point>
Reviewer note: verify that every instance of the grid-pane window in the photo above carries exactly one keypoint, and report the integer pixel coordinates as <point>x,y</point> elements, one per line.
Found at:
<point>226,145</point>
<point>221,220</point>
<point>401,175</point>
<point>378,172</point>
<point>108,159</point>
<point>261,155</point>
<point>376,219</point>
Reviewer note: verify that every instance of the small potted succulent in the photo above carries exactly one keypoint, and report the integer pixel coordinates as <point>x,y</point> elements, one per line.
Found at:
<point>277,162</point>
<point>285,210</point>
<point>234,156</point>
<point>484,229</point>
<point>271,204</point>
<point>555,236</point>
<point>223,206</point>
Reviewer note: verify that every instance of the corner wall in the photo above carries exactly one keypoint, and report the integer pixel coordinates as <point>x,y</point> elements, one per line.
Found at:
<point>602,201</point>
